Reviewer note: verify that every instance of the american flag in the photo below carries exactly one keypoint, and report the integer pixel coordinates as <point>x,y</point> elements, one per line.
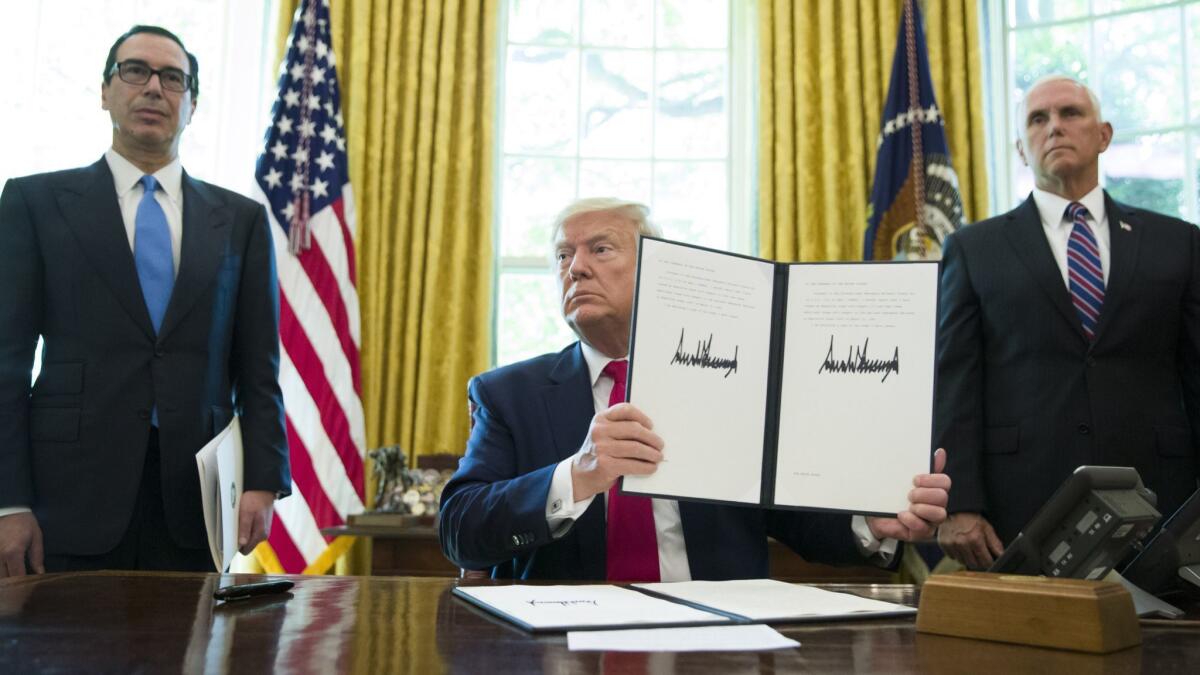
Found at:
<point>305,184</point>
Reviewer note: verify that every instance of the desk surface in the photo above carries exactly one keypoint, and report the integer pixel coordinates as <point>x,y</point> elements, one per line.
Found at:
<point>167,622</point>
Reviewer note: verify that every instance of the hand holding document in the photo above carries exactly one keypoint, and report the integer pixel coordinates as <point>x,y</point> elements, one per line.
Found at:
<point>783,385</point>
<point>220,465</point>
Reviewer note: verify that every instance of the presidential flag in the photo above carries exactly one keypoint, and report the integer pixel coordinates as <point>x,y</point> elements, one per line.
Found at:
<point>915,202</point>
<point>305,184</point>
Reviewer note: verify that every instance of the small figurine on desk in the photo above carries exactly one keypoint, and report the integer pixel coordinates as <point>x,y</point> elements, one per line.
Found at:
<point>391,465</point>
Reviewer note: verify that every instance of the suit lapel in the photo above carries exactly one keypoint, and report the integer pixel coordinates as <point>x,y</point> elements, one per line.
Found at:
<point>91,211</point>
<point>1028,239</point>
<point>570,407</point>
<point>205,232</point>
<point>1124,236</point>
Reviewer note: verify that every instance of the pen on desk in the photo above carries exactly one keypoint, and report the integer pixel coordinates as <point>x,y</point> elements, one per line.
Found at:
<point>243,591</point>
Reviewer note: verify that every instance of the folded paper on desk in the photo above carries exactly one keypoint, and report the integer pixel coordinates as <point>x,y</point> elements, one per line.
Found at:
<point>689,603</point>
<point>220,465</point>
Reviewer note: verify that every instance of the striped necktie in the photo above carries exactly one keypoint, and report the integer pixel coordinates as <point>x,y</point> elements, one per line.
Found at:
<point>631,542</point>
<point>1085,276</point>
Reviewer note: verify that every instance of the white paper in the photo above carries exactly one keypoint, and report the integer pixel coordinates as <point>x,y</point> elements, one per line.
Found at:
<point>701,351</point>
<point>220,466</point>
<point>857,395</point>
<point>698,639</point>
<point>547,607</point>
<point>771,600</point>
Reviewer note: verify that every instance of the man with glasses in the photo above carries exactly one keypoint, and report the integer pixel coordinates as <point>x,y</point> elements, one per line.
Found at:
<point>156,297</point>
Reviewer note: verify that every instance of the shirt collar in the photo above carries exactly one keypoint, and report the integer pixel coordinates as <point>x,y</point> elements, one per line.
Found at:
<point>126,175</point>
<point>595,361</point>
<point>1053,208</point>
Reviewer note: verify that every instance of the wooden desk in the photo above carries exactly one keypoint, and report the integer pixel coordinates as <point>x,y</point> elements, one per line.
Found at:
<point>416,552</point>
<point>167,622</point>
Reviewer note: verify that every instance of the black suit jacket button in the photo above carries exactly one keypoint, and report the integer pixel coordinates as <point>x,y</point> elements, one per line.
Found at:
<point>143,414</point>
<point>1091,362</point>
<point>159,351</point>
<point>1084,429</point>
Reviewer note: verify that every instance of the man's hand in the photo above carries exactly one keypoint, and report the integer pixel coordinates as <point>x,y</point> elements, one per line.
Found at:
<point>254,519</point>
<point>20,536</point>
<point>619,443</point>
<point>970,539</point>
<point>926,507</point>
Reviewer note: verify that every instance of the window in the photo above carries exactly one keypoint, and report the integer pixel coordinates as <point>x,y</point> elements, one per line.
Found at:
<point>1141,57</point>
<point>53,53</point>
<point>649,100</point>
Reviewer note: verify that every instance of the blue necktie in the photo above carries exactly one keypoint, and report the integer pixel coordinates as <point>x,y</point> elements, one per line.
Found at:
<point>1085,276</point>
<point>152,253</point>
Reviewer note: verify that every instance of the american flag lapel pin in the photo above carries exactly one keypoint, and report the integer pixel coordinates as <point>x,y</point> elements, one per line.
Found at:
<point>1126,226</point>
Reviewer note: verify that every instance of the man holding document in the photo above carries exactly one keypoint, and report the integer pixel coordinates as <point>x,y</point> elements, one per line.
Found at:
<point>535,497</point>
<point>156,297</point>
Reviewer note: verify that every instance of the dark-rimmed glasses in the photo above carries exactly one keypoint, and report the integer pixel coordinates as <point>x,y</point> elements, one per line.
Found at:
<point>138,72</point>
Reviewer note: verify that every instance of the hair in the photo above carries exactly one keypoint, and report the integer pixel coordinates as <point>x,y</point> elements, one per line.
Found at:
<point>638,214</point>
<point>193,64</point>
<point>1021,104</point>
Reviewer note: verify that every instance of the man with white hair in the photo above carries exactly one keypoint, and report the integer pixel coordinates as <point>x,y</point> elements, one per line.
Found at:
<point>1068,334</point>
<point>534,497</point>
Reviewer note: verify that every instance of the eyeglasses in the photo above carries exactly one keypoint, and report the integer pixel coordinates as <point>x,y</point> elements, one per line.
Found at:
<point>137,72</point>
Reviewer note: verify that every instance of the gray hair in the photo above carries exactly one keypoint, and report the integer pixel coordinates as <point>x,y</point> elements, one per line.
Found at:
<point>1021,103</point>
<point>638,214</point>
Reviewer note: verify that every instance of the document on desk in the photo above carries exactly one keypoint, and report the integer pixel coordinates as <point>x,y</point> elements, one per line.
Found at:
<point>771,600</point>
<point>783,385</point>
<point>220,466</point>
<point>589,607</point>
<point>687,603</point>
<point>742,638</point>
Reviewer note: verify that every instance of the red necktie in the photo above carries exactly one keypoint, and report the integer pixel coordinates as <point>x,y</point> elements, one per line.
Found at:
<point>632,544</point>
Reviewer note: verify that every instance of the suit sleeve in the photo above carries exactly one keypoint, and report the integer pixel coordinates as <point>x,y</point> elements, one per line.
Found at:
<point>818,537</point>
<point>1189,343</point>
<point>255,364</point>
<point>958,406</point>
<point>20,324</point>
<point>489,514</point>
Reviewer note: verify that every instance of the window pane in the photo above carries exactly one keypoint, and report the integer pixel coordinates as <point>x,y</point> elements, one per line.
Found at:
<point>540,100</point>
<point>618,23</point>
<point>693,23</point>
<point>1193,57</point>
<point>1105,6</point>
<point>1139,69</point>
<point>548,22</point>
<point>1147,171</point>
<point>624,179</point>
<point>535,190</point>
<point>1038,52</point>
<point>691,118</point>
<point>529,321</point>
<point>616,104</point>
<point>691,202</point>
<point>1023,12</point>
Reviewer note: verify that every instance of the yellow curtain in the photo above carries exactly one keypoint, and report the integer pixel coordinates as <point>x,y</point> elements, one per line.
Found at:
<point>824,70</point>
<point>418,95</point>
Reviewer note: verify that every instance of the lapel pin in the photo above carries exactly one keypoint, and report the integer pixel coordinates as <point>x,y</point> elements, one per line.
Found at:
<point>1125,226</point>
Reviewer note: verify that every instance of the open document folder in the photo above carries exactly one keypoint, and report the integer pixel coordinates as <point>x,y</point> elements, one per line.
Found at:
<point>686,603</point>
<point>220,466</point>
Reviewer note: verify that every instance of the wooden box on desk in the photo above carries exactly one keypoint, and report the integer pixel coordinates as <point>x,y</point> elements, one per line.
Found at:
<point>1088,616</point>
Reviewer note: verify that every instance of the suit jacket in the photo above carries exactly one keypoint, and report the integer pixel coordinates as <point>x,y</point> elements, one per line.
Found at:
<point>530,416</point>
<point>73,447</point>
<point>1024,398</point>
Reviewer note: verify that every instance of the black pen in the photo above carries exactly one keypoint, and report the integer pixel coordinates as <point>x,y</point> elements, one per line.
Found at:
<point>243,591</point>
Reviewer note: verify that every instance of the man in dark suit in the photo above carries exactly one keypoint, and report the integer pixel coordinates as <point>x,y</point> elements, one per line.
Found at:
<point>550,437</point>
<point>156,297</point>
<point>1069,334</point>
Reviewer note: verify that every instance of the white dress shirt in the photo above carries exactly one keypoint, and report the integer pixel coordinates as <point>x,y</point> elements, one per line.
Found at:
<point>561,507</point>
<point>1053,211</point>
<point>126,182</point>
